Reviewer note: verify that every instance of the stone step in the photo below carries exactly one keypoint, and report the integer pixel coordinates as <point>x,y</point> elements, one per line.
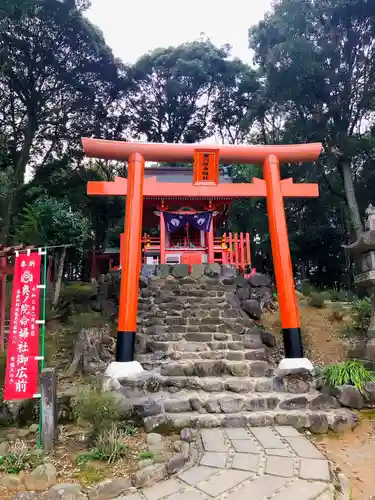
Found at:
<point>193,312</point>
<point>156,358</point>
<point>197,342</point>
<point>154,382</point>
<point>230,355</point>
<point>148,404</point>
<point>227,328</point>
<point>192,292</point>
<point>340,420</point>
<point>207,368</point>
<point>214,340</point>
<point>199,305</point>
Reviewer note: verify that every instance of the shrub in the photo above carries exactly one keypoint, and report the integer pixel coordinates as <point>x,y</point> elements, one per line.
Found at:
<point>342,296</point>
<point>326,294</point>
<point>316,300</point>
<point>97,408</point>
<point>110,446</point>
<point>78,293</point>
<point>307,288</point>
<point>349,372</point>
<point>347,330</point>
<point>337,312</point>
<point>128,428</point>
<point>361,313</point>
<point>87,320</point>
<point>351,296</point>
<point>19,458</point>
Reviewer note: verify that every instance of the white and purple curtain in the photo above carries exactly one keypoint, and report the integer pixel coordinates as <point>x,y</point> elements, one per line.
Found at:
<point>200,221</point>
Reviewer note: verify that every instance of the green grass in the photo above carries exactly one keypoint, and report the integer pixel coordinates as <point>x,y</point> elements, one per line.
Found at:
<point>20,458</point>
<point>144,455</point>
<point>349,372</point>
<point>110,447</point>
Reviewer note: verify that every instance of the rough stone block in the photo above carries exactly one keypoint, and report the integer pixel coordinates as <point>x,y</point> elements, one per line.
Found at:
<point>163,270</point>
<point>149,475</point>
<point>197,271</point>
<point>252,308</point>
<point>325,402</point>
<point>342,420</point>
<point>110,488</point>
<point>295,403</point>
<point>295,381</point>
<point>349,396</point>
<point>176,463</point>
<point>259,280</point>
<point>180,270</point>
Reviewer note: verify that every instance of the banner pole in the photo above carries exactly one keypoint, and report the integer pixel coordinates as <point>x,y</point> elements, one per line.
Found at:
<point>43,334</point>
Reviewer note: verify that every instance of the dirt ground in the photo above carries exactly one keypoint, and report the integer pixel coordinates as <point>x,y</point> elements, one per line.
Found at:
<point>324,343</point>
<point>322,338</point>
<point>354,454</point>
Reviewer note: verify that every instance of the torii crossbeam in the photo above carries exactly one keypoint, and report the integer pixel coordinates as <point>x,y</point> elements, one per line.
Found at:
<point>272,187</point>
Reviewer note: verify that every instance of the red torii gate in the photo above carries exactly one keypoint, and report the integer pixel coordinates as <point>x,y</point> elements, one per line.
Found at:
<point>272,187</point>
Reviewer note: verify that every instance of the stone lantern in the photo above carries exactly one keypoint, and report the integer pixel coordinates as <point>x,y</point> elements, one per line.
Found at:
<point>363,252</point>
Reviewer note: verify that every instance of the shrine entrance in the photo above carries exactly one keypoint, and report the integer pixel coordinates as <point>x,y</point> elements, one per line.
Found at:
<point>206,187</point>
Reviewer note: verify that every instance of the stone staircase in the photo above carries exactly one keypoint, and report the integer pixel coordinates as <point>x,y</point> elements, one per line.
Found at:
<point>206,365</point>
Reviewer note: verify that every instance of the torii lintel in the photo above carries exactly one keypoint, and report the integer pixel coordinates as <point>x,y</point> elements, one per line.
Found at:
<point>152,189</point>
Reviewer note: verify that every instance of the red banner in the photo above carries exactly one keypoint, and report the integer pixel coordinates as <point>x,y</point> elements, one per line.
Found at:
<point>21,377</point>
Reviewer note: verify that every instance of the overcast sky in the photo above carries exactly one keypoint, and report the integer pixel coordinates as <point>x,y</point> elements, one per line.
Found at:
<point>134,27</point>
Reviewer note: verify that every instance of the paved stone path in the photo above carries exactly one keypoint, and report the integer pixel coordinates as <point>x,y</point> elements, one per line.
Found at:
<point>249,464</point>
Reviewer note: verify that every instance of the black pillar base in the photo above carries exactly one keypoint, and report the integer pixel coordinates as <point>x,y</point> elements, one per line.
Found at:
<point>292,343</point>
<point>125,346</point>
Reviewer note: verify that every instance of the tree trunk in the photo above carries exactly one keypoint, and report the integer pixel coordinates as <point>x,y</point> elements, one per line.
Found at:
<point>20,159</point>
<point>355,217</point>
<point>93,350</point>
<point>60,271</point>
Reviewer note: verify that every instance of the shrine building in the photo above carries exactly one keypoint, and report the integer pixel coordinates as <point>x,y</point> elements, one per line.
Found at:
<point>182,225</point>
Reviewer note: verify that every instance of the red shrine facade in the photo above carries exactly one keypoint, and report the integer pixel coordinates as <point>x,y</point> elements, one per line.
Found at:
<point>171,218</point>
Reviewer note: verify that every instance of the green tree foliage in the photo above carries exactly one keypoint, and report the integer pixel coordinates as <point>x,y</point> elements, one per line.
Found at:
<point>49,221</point>
<point>57,76</point>
<point>318,60</point>
<point>314,80</point>
<point>176,92</point>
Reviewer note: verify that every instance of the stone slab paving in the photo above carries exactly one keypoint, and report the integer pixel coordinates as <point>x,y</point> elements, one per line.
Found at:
<point>258,463</point>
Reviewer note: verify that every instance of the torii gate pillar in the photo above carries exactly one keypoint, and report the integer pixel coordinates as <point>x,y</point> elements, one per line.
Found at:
<point>130,256</point>
<point>289,315</point>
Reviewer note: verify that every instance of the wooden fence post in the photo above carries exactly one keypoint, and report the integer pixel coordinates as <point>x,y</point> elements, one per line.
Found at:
<point>48,384</point>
